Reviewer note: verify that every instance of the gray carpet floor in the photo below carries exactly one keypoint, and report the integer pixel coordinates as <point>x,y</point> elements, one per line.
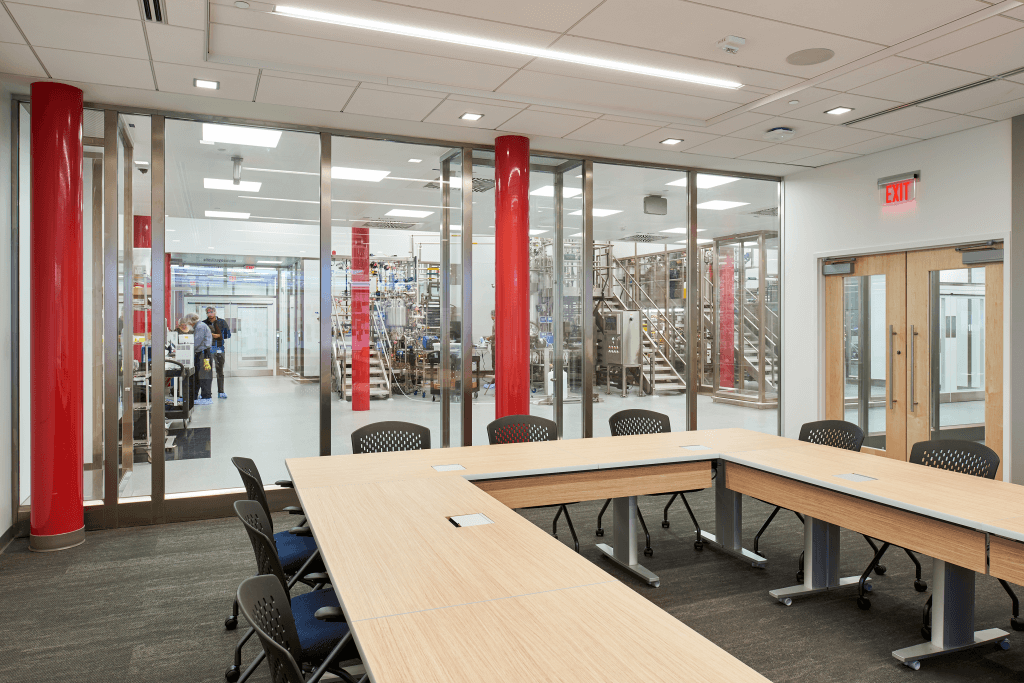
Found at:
<point>148,604</point>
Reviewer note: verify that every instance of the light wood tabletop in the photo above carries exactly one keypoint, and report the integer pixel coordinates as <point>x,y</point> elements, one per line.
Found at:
<point>600,633</point>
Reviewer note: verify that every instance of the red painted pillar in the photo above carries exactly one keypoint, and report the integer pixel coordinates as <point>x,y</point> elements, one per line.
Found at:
<point>57,518</point>
<point>726,321</point>
<point>512,275</point>
<point>360,318</point>
<point>142,238</point>
<point>168,323</point>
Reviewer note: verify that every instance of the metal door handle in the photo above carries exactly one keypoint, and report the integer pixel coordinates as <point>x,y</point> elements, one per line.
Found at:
<point>892,367</point>
<point>913,373</point>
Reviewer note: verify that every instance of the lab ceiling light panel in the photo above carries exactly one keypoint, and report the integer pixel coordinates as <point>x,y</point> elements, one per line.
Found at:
<point>469,116</point>
<point>839,111</point>
<point>599,213</point>
<point>365,174</point>
<point>408,213</point>
<point>549,191</point>
<point>227,214</point>
<point>720,205</point>
<point>207,85</point>
<point>228,184</point>
<point>240,135</point>
<point>705,181</point>
<point>498,46</point>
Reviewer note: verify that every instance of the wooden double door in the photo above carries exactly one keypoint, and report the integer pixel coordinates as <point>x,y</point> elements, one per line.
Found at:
<point>914,347</point>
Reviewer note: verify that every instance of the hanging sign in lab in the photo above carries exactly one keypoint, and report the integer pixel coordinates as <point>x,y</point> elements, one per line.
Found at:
<point>898,189</point>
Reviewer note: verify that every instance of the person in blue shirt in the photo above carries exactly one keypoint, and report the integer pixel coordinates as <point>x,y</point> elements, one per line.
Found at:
<point>203,342</point>
<point>220,331</point>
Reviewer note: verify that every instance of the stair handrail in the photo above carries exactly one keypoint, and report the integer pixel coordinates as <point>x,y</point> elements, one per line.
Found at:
<point>382,332</point>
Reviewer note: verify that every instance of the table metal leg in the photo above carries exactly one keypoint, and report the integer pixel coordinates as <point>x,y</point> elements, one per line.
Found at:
<point>728,536</point>
<point>952,618</point>
<point>821,563</point>
<point>624,535</point>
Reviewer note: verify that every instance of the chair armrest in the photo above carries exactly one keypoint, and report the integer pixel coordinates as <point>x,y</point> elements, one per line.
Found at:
<point>284,483</point>
<point>301,531</point>
<point>293,510</point>
<point>329,614</point>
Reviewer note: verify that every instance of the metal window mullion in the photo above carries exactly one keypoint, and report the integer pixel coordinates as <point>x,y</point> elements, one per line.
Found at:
<point>444,377</point>
<point>762,281</point>
<point>111,390</point>
<point>693,304</point>
<point>467,296</point>
<point>15,311</point>
<point>587,295</point>
<point>557,253</point>
<point>159,322</point>
<point>128,318</point>
<point>326,304</point>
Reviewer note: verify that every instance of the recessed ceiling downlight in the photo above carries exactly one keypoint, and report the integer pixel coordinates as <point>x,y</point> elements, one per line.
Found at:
<point>810,57</point>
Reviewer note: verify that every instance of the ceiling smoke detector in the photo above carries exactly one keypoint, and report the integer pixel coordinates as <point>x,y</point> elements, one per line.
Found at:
<point>777,134</point>
<point>731,44</point>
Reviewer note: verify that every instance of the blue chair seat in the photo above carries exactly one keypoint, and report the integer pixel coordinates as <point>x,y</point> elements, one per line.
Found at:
<point>294,550</point>
<point>317,638</point>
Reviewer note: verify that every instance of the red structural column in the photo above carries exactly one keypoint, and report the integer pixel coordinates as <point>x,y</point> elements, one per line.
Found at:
<point>512,276</point>
<point>57,518</point>
<point>360,318</point>
<point>142,238</point>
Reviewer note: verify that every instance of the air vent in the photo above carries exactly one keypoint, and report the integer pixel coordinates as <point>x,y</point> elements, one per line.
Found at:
<point>479,185</point>
<point>642,237</point>
<point>388,225</point>
<point>773,212</point>
<point>155,11</point>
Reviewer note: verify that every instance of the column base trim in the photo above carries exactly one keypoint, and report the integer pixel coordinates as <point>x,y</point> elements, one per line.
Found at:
<point>55,542</point>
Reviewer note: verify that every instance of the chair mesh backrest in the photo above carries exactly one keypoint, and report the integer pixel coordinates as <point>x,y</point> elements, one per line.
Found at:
<point>968,457</point>
<point>261,536</point>
<point>521,429</point>
<point>387,437</point>
<point>253,484</point>
<point>835,433</point>
<point>264,603</point>
<point>628,422</point>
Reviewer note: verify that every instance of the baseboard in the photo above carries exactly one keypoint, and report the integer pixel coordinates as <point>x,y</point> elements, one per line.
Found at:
<point>6,538</point>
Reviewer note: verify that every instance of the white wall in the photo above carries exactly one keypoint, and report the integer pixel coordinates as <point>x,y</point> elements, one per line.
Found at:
<point>5,311</point>
<point>963,196</point>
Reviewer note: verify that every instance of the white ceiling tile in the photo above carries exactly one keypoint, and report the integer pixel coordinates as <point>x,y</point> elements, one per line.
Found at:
<point>179,79</point>
<point>9,33</point>
<point>391,105</point>
<point>921,81</point>
<point>950,125</point>
<point>530,122</point>
<point>1002,111</point>
<point>800,128</point>
<point>782,106</point>
<point>486,100</point>
<point>620,97</point>
<point>825,158</point>
<point>781,154</point>
<point>129,9</point>
<point>307,77</point>
<point>991,57</point>
<point>976,33</point>
<point>295,93</point>
<point>64,65</point>
<point>878,144</point>
<point>560,110</point>
<point>728,125</point>
<point>874,20</point>
<point>449,111</point>
<point>1016,13</point>
<point>610,132</point>
<point>188,14</point>
<point>862,106</point>
<point>633,119</point>
<point>46,27</point>
<point>403,90</point>
<point>693,29</point>
<point>689,139</point>
<point>982,97</point>
<point>870,73</point>
<point>17,58</point>
<point>729,147</point>
<point>176,45</point>
<point>902,119</point>
<point>310,52</point>
<point>835,137</point>
<point>551,16</point>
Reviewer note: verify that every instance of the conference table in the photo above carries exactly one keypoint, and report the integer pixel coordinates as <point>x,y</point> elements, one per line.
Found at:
<point>441,580</point>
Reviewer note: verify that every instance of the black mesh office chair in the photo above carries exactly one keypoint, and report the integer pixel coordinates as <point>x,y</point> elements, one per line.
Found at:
<point>629,422</point>
<point>528,429</point>
<point>295,548</point>
<point>391,436</point>
<point>294,639</point>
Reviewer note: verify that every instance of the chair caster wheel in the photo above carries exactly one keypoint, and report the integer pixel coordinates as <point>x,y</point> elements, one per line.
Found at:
<point>232,674</point>
<point>1017,624</point>
<point>920,586</point>
<point>1003,644</point>
<point>664,525</point>
<point>863,603</point>
<point>554,535</point>
<point>880,569</point>
<point>699,545</point>
<point>916,666</point>
<point>599,532</point>
<point>230,623</point>
<point>800,577</point>
<point>648,552</point>
<point>926,632</point>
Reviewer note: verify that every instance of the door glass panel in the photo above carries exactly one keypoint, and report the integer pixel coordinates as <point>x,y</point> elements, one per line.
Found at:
<point>864,356</point>
<point>958,354</point>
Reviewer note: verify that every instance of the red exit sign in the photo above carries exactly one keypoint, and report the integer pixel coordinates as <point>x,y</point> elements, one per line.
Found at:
<point>899,189</point>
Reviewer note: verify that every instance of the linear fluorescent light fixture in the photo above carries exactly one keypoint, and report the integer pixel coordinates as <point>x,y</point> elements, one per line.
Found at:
<point>720,205</point>
<point>270,262</point>
<point>142,163</point>
<point>228,184</point>
<point>406,213</point>
<point>537,232</point>
<point>839,111</point>
<point>599,213</point>
<point>705,181</point>
<point>498,46</point>
<point>240,135</point>
<point>549,191</point>
<point>207,85</point>
<point>342,173</point>
<point>681,231</point>
<point>415,161</point>
<point>227,214</point>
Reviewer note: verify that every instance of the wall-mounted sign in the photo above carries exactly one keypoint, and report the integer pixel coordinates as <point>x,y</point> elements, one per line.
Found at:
<point>898,189</point>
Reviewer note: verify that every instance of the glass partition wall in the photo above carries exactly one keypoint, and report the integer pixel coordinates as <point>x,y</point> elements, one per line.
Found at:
<point>341,281</point>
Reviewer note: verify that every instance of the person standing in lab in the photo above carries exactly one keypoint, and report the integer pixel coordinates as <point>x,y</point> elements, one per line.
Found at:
<point>220,331</point>
<point>203,342</point>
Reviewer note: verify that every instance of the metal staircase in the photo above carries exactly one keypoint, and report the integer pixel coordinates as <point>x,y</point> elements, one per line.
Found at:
<point>341,354</point>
